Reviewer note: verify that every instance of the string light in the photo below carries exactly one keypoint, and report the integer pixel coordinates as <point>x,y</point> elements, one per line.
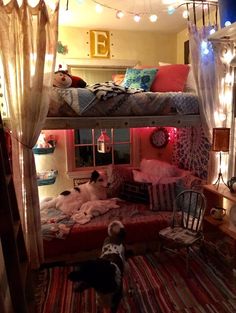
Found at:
<point>137,18</point>
<point>172,6</point>
<point>185,14</point>
<point>153,18</point>
<point>227,23</point>
<point>98,8</point>
<point>120,14</point>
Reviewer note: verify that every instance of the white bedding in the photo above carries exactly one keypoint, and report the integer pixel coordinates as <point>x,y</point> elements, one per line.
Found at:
<point>94,208</point>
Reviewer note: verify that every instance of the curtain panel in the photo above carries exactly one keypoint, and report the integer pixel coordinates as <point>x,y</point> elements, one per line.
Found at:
<point>210,69</point>
<point>28,40</point>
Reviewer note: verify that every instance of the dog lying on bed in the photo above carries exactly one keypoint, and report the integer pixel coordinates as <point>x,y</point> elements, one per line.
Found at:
<point>69,201</point>
<point>105,274</point>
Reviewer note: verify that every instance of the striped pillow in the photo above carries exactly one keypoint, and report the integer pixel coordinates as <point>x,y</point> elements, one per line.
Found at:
<point>162,196</point>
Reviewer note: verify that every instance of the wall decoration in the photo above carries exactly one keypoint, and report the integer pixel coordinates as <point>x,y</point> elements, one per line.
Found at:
<point>191,151</point>
<point>99,44</point>
<point>159,137</point>
<point>61,48</point>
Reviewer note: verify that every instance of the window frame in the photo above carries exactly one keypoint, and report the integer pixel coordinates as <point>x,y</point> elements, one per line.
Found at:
<point>72,171</point>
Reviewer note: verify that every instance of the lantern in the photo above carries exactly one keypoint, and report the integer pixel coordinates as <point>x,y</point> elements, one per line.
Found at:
<point>104,143</point>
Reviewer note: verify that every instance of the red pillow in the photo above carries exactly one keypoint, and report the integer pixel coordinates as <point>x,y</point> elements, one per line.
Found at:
<point>170,78</point>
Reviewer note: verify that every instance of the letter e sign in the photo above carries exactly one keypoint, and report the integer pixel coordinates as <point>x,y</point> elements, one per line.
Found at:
<point>99,44</point>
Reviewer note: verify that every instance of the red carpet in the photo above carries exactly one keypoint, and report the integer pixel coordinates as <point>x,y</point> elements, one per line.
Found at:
<point>150,286</point>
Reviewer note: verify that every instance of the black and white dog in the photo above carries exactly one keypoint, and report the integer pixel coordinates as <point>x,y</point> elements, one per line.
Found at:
<point>105,274</point>
<point>69,201</point>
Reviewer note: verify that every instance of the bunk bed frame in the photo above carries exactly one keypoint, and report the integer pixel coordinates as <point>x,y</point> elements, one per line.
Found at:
<point>121,122</point>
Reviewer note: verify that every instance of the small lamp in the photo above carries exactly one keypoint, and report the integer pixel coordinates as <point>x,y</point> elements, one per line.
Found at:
<point>104,143</point>
<point>220,143</point>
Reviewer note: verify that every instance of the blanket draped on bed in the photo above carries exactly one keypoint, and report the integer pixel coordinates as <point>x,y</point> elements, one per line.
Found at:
<point>104,91</point>
<point>57,224</point>
<point>120,101</point>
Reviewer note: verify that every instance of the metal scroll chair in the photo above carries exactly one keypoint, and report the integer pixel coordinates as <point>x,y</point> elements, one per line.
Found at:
<point>186,227</point>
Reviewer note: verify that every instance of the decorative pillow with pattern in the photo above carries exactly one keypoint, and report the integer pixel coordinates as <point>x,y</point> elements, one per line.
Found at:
<point>139,78</point>
<point>117,175</point>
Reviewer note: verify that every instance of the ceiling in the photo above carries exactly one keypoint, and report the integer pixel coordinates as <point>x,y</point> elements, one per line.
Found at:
<point>81,13</point>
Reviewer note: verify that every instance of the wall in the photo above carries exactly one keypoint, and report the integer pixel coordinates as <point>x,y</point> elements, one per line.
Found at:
<point>147,47</point>
<point>57,160</point>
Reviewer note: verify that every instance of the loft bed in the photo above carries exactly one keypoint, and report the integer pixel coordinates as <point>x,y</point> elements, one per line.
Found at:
<point>145,109</point>
<point>110,105</point>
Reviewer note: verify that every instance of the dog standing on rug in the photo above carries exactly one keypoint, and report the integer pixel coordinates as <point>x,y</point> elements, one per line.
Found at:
<point>105,274</point>
<point>70,201</point>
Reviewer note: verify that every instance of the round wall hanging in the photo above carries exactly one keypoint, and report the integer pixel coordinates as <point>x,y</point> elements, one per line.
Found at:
<point>159,137</point>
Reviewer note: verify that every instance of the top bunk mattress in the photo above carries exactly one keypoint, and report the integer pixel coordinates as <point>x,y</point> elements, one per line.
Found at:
<point>113,101</point>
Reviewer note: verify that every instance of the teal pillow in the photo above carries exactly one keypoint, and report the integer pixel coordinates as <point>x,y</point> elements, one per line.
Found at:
<point>139,78</point>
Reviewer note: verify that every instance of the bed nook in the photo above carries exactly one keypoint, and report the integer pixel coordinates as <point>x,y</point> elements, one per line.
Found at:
<point>141,133</point>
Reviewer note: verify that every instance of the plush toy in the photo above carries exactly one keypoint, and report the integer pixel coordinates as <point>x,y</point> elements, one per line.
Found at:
<point>63,79</point>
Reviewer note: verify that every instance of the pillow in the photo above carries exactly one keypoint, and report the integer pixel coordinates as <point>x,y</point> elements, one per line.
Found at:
<point>162,196</point>
<point>139,78</point>
<point>117,175</point>
<point>170,78</point>
<point>190,85</point>
<point>142,177</point>
<point>135,192</point>
<point>118,78</point>
<point>158,168</point>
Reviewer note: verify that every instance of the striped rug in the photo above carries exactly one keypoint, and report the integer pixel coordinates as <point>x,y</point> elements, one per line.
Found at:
<point>151,285</point>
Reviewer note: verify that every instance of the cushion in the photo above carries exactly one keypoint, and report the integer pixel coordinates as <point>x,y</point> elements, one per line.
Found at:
<point>139,78</point>
<point>117,175</point>
<point>171,78</point>
<point>158,168</point>
<point>118,78</point>
<point>142,177</point>
<point>162,196</point>
<point>190,85</point>
<point>135,192</point>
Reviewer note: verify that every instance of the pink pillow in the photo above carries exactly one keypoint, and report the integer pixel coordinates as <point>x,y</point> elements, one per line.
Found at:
<point>170,78</point>
<point>158,168</point>
<point>142,177</point>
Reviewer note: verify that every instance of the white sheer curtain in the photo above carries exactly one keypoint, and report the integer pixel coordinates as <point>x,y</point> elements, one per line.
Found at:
<point>204,71</point>
<point>214,81</point>
<point>28,40</point>
<point>208,70</point>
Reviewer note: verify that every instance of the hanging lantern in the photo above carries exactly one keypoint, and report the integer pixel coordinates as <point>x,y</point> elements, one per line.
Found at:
<point>104,143</point>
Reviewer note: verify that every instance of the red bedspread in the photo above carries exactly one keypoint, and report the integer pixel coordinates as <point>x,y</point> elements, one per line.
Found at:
<point>142,225</point>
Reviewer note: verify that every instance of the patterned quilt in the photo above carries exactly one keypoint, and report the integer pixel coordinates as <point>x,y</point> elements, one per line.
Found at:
<point>110,100</point>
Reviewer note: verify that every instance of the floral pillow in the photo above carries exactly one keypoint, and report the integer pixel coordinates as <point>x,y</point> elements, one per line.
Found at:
<point>139,78</point>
